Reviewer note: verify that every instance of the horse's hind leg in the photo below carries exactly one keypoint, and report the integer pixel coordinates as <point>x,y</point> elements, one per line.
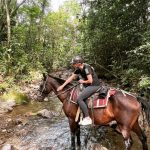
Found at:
<point>137,129</point>
<point>128,143</point>
<point>126,133</point>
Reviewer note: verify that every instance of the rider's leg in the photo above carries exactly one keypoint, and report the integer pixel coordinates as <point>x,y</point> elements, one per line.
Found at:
<point>87,92</point>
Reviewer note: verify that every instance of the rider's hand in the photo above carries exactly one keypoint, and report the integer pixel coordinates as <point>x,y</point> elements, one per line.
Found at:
<point>81,81</point>
<point>60,88</point>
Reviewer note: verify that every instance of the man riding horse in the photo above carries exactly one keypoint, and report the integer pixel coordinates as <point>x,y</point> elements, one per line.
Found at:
<point>122,106</point>
<point>90,82</point>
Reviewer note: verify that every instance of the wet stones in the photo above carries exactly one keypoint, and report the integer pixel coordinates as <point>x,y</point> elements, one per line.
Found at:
<point>98,147</point>
<point>7,106</point>
<point>6,147</point>
<point>45,113</point>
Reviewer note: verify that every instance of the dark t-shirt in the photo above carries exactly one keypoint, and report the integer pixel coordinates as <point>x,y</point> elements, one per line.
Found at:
<point>87,69</point>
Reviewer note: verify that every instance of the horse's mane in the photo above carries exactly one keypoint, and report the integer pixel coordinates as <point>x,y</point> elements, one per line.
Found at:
<point>60,80</point>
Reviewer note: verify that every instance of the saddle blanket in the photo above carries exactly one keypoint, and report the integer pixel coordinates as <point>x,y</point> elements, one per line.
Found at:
<point>99,103</point>
<point>94,101</point>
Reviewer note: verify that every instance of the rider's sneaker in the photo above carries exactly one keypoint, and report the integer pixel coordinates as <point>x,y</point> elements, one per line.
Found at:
<point>80,122</point>
<point>85,121</point>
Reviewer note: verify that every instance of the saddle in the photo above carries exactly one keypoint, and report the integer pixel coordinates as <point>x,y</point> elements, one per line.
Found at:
<point>97,100</point>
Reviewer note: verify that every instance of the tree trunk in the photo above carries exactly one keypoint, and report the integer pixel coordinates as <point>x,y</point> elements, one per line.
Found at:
<point>8,23</point>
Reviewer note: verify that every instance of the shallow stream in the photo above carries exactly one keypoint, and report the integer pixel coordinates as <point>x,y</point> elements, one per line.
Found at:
<point>38,133</point>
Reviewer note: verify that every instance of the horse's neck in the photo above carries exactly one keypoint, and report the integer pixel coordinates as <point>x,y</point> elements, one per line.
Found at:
<point>62,95</point>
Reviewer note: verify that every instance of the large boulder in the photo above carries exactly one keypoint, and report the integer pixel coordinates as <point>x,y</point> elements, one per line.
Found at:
<point>45,113</point>
<point>7,106</point>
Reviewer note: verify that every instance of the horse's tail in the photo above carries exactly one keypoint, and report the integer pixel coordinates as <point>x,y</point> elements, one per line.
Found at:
<point>145,107</point>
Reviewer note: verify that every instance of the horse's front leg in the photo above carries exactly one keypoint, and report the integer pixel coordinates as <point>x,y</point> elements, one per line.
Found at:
<point>78,137</point>
<point>74,129</point>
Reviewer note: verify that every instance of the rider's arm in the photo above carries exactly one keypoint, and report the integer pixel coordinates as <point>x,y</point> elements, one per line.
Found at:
<point>88,81</point>
<point>88,71</point>
<point>71,78</point>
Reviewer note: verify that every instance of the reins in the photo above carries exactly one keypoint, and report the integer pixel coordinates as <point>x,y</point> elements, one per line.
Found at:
<point>65,91</point>
<point>59,93</point>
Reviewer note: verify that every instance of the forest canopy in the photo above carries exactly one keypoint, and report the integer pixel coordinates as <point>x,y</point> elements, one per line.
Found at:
<point>114,36</point>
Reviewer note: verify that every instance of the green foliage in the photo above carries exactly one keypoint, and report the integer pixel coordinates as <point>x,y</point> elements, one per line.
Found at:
<point>11,8</point>
<point>3,87</point>
<point>112,35</point>
<point>41,40</point>
<point>112,29</point>
<point>130,78</point>
<point>33,75</point>
<point>61,36</point>
<point>144,82</point>
<point>140,57</point>
<point>18,97</point>
<point>144,86</point>
<point>8,82</point>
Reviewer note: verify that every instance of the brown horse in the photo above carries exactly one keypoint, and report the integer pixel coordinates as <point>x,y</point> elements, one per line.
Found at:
<point>122,108</point>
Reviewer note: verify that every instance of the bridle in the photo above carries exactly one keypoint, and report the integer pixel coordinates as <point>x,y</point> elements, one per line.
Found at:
<point>44,87</point>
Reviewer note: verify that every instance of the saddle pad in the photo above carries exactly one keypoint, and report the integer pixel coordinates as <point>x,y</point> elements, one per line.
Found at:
<point>92,102</point>
<point>98,103</point>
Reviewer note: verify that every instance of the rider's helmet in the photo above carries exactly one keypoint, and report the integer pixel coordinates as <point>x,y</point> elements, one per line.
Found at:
<point>77,59</point>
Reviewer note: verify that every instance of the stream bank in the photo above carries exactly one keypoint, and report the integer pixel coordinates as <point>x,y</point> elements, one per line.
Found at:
<point>22,129</point>
<point>27,131</point>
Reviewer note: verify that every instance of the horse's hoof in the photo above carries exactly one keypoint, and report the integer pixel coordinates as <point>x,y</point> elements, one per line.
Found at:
<point>73,148</point>
<point>78,148</point>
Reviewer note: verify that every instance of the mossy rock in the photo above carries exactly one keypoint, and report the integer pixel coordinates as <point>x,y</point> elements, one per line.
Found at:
<point>3,86</point>
<point>19,98</point>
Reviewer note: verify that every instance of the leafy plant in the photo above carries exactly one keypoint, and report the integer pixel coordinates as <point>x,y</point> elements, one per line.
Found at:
<point>144,82</point>
<point>130,78</point>
<point>18,97</point>
<point>144,86</point>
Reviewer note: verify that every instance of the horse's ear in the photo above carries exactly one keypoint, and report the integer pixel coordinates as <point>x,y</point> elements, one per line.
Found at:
<point>44,76</point>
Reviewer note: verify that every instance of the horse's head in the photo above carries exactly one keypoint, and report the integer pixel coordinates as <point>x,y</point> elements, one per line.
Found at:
<point>45,87</point>
<point>49,83</point>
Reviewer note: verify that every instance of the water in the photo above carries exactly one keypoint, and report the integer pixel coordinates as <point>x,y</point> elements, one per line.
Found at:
<point>39,133</point>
